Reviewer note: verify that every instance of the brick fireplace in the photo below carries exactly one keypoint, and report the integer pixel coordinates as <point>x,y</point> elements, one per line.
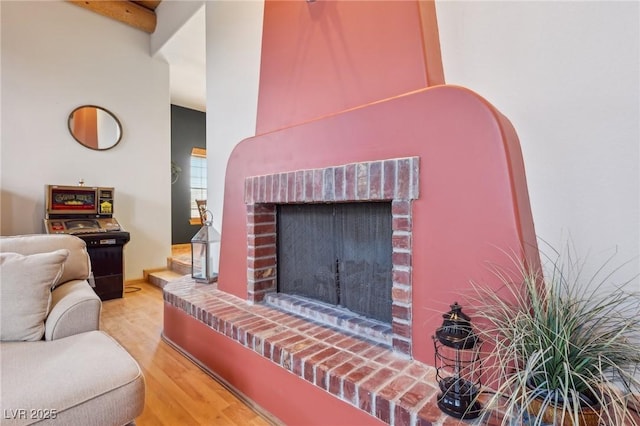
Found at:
<point>352,107</point>
<point>393,180</point>
<point>459,204</point>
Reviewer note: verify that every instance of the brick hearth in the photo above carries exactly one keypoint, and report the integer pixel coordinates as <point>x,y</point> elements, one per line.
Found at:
<point>369,376</point>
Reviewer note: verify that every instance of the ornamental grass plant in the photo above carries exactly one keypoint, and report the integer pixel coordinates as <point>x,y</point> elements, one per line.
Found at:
<point>563,348</point>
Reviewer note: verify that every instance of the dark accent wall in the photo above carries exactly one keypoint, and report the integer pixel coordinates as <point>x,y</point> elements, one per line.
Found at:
<point>188,130</point>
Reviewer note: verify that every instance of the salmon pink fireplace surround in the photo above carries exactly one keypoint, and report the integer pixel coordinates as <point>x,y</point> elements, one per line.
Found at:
<point>351,94</point>
<point>459,203</point>
<point>462,197</point>
<point>393,180</point>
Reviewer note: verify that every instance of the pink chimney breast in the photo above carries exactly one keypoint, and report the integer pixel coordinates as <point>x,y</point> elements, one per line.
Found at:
<point>361,82</point>
<point>324,57</point>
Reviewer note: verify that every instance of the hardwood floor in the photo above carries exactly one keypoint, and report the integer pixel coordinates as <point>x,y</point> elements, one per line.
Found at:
<point>178,392</point>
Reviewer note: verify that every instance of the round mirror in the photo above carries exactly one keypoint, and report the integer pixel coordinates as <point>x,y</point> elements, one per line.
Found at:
<point>95,127</point>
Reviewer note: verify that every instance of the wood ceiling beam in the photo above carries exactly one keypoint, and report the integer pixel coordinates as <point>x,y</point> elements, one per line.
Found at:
<point>124,11</point>
<point>149,4</point>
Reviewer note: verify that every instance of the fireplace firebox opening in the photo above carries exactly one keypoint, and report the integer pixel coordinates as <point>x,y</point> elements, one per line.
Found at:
<point>388,185</point>
<point>339,254</point>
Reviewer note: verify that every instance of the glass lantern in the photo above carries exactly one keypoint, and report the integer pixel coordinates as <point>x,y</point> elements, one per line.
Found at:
<point>457,356</point>
<point>205,248</point>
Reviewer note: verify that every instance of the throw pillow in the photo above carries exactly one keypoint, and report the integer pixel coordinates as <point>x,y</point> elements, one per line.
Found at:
<point>25,292</point>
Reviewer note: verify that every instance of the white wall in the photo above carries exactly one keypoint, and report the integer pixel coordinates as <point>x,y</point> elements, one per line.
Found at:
<point>567,76</point>
<point>55,57</point>
<point>179,39</point>
<point>234,39</point>
<point>172,16</point>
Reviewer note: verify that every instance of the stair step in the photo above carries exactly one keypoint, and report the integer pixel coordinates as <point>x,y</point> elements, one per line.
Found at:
<point>179,265</point>
<point>161,278</point>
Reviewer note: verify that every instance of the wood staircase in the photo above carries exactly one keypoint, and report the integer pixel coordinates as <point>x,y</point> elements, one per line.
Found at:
<point>178,265</point>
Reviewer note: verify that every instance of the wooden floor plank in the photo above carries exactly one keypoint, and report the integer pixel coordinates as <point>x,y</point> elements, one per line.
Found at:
<point>178,392</point>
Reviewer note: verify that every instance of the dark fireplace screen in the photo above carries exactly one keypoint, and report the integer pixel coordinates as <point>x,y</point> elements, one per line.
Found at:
<point>338,254</point>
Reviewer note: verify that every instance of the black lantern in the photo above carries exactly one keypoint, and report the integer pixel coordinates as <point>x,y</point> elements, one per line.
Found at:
<point>205,249</point>
<point>457,356</point>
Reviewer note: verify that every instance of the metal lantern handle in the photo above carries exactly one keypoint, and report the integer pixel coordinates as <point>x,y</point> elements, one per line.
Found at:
<point>207,218</point>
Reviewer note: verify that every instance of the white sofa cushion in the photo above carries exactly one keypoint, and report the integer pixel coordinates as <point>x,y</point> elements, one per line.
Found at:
<point>25,292</point>
<point>84,379</point>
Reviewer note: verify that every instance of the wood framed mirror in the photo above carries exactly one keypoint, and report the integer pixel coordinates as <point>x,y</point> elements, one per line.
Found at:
<point>95,127</point>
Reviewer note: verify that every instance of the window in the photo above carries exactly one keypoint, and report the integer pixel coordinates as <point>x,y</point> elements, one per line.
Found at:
<point>198,181</point>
